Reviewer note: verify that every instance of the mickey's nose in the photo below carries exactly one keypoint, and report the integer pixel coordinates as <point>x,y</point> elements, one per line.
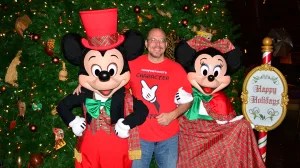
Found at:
<point>103,76</point>
<point>211,78</point>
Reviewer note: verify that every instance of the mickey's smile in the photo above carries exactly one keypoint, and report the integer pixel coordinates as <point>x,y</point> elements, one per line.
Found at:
<point>105,92</point>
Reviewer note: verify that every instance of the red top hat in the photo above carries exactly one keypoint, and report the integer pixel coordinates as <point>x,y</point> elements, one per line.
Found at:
<point>101,29</point>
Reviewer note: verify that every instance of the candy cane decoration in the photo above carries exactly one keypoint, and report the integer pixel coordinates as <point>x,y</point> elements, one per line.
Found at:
<point>267,50</point>
<point>262,144</point>
<point>267,57</point>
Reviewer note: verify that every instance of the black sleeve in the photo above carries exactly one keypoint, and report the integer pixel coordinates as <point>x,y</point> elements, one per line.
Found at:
<point>139,114</point>
<point>66,106</point>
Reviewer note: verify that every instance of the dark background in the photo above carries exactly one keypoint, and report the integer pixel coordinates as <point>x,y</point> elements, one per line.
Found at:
<point>256,20</point>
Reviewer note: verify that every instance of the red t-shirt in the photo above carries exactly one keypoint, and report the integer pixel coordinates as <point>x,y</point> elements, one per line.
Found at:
<point>156,85</point>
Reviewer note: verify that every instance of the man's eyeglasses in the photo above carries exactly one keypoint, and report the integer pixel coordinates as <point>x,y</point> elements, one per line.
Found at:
<point>154,40</point>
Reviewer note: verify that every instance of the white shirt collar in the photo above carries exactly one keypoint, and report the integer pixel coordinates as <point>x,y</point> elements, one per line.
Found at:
<point>99,97</point>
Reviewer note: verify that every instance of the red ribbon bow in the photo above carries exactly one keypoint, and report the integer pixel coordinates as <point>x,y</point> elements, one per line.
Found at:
<point>199,43</point>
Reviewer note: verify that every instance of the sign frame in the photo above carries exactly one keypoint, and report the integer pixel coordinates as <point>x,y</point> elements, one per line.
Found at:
<point>284,96</point>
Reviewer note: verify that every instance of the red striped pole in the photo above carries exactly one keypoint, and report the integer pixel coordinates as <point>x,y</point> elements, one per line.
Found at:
<point>266,59</point>
<point>262,144</point>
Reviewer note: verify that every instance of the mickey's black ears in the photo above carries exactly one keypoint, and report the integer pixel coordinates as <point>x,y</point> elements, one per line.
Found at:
<point>184,54</point>
<point>234,59</point>
<point>133,45</point>
<point>72,48</point>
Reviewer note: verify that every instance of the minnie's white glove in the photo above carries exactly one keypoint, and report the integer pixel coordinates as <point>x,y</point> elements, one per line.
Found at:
<point>221,122</point>
<point>232,120</point>
<point>237,118</point>
<point>78,125</point>
<point>121,129</point>
<point>183,97</point>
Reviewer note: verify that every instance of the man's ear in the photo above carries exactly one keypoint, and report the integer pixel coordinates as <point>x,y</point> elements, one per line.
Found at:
<point>72,48</point>
<point>146,43</point>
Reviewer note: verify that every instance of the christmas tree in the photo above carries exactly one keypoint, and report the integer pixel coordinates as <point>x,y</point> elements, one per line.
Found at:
<point>30,129</point>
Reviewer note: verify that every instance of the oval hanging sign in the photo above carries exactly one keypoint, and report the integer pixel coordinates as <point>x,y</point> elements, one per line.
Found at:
<point>265,97</point>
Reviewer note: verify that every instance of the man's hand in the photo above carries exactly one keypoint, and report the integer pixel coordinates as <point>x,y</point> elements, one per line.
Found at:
<point>77,90</point>
<point>165,118</point>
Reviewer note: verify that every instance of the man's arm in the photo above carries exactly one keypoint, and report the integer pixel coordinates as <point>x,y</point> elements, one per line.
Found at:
<point>167,118</point>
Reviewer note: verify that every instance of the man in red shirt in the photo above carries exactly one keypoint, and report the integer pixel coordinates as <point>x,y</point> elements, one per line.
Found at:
<point>157,81</point>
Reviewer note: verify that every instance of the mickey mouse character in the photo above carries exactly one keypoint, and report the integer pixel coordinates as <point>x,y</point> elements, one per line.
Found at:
<point>211,134</point>
<point>111,114</point>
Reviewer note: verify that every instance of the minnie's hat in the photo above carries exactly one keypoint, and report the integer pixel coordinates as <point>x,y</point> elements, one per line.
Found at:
<point>101,29</point>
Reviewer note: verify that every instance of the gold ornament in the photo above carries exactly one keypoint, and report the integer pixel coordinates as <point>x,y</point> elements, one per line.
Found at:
<point>22,23</point>
<point>59,138</point>
<point>54,112</point>
<point>172,40</point>
<point>63,73</point>
<point>19,162</point>
<point>49,48</point>
<point>11,74</point>
<point>149,16</point>
<point>21,108</point>
<point>168,14</point>
<point>77,155</point>
<point>140,19</point>
<point>50,44</point>
<point>234,91</point>
<point>124,30</point>
<point>204,32</point>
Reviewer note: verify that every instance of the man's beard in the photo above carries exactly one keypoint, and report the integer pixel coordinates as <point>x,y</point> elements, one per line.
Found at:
<point>155,55</point>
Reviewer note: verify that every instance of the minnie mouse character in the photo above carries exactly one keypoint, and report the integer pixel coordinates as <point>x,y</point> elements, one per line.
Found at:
<point>111,114</point>
<point>211,133</point>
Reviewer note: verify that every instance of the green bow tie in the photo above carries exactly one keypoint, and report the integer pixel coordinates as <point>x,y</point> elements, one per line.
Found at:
<point>193,112</point>
<point>93,106</point>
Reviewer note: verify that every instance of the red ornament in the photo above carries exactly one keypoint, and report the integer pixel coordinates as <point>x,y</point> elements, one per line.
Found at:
<point>55,60</point>
<point>206,7</point>
<point>35,37</point>
<point>49,51</point>
<point>4,6</point>
<point>33,128</point>
<point>12,125</point>
<point>184,22</point>
<point>36,160</point>
<point>186,8</point>
<point>137,9</point>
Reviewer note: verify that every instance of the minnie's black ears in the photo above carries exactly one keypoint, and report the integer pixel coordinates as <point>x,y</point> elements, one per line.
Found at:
<point>184,54</point>
<point>234,59</point>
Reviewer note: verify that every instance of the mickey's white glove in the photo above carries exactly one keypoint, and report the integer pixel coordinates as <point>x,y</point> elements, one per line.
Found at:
<point>237,118</point>
<point>78,125</point>
<point>121,129</point>
<point>221,122</point>
<point>148,93</point>
<point>183,97</point>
